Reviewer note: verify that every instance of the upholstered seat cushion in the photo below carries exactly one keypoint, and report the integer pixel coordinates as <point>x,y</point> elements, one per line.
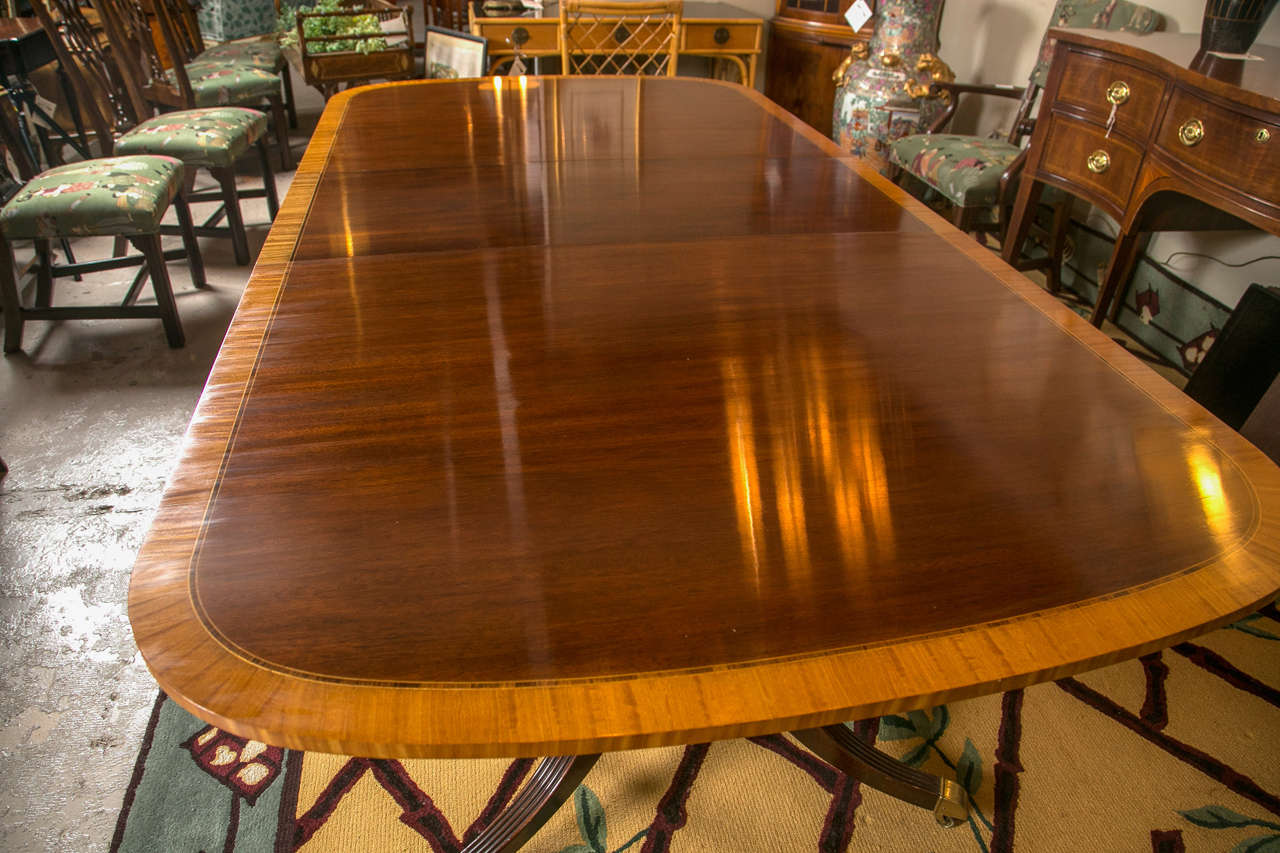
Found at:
<point>257,54</point>
<point>211,137</point>
<point>219,84</point>
<point>965,169</point>
<point>111,195</point>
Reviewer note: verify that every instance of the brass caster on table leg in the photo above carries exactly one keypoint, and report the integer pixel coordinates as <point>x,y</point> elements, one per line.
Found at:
<point>952,808</point>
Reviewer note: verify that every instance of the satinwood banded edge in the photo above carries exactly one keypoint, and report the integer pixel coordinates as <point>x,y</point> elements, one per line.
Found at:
<point>656,708</point>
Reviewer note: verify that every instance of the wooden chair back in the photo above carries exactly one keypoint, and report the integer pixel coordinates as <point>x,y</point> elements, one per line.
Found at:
<point>128,25</point>
<point>186,27</point>
<point>108,97</point>
<point>11,138</point>
<point>609,37</point>
<point>450,14</point>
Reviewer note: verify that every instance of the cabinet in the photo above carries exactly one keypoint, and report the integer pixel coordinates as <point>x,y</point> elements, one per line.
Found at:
<point>808,40</point>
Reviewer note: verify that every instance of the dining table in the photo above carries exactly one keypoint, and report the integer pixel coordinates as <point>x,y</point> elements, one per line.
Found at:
<point>563,415</point>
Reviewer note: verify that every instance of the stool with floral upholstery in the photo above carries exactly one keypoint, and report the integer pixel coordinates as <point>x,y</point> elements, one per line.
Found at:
<point>112,196</point>
<point>884,90</point>
<point>978,176</point>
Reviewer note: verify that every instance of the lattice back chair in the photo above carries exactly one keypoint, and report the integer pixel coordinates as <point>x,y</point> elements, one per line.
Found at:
<point>977,176</point>
<point>106,197</point>
<point>266,55</point>
<point>187,86</point>
<point>124,121</point>
<point>604,37</point>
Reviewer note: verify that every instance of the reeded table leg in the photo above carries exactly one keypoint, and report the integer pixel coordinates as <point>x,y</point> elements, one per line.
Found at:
<point>840,747</point>
<point>553,782</point>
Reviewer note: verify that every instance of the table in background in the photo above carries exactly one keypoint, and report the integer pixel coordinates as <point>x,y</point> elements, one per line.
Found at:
<point>713,30</point>
<point>573,414</point>
<point>1185,153</point>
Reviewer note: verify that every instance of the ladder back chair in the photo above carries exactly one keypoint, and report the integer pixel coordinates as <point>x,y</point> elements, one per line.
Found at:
<point>978,176</point>
<point>605,37</point>
<point>187,86</point>
<point>108,197</point>
<point>125,123</point>
<point>266,55</point>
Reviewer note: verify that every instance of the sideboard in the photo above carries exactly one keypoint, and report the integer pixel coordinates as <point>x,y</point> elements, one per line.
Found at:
<point>1125,125</point>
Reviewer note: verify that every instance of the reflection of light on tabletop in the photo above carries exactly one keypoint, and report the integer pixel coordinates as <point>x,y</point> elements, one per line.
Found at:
<point>742,456</point>
<point>1207,476</point>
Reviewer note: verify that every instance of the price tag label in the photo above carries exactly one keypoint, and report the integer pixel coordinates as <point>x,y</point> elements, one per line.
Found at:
<point>517,68</point>
<point>859,13</point>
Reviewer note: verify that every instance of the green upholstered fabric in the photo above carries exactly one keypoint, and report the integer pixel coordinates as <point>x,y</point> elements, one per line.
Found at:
<point>219,84</point>
<point>1095,15</point>
<point>211,137</point>
<point>256,54</point>
<point>965,169</point>
<point>111,195</point>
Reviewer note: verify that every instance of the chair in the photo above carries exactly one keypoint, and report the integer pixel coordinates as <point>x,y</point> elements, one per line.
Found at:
<point>113,196</point>
<point>212,139</point>
<point>603,37</point>
<point>977,176</point>
<point>192,85</point>
<point>266,55</point>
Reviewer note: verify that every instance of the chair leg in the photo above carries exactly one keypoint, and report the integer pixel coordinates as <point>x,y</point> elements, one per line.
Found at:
<point>282,134</point>
<point>289,105</point>
<point>149,245</point>
<point>226,177</point>
<point>44,273</point>
<point>1057,243</point>
<point>195,262</point>
<point>268,180</point>
<point>9,300</point>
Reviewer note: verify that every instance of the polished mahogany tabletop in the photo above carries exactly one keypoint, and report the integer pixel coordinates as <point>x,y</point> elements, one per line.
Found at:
<point>568,414</point>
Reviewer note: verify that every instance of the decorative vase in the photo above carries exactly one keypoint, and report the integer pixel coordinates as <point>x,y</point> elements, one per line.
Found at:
<point>883,91</point>
<point>1230,26</point>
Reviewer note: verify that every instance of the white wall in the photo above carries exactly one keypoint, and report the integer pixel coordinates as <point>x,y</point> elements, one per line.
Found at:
<point>996,41</point>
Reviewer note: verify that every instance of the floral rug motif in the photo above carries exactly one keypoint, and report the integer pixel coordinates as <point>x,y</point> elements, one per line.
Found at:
<point>1176,752</point>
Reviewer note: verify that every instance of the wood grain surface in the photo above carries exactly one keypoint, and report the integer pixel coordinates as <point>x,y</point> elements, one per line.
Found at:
<point>604,413</point>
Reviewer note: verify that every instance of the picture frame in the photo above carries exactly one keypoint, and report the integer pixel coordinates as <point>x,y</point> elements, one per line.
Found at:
<point>449,54</point>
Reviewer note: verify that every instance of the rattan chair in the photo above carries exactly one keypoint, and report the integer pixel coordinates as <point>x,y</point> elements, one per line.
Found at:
<point>601,37</point>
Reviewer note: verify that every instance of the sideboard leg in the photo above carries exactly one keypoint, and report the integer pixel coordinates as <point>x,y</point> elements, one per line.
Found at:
<point>553,782</point>
<point>840,747</point>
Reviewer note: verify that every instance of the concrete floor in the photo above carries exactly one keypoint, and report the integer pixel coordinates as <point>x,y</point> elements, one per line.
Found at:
<point>92,414</point>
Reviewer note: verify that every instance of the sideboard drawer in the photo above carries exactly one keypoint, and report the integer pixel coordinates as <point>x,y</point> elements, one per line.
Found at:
<point>727,36</point>
<point>531,35</point>
<point>1226,145</point>
<point>1098,168</point>
<point>1087,79</point>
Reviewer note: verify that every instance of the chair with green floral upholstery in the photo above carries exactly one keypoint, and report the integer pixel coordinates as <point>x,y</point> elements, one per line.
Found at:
<point>112,196</point>
<point>187,86</point>
<point>123,122</point>
<point>265,55</point>
<point>977,176</point>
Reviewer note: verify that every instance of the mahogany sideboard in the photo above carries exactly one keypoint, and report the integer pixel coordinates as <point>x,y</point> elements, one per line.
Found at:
<point>1153,144</point>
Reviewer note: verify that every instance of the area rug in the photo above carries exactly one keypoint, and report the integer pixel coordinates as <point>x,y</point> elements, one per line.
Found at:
<point>1176,751</point>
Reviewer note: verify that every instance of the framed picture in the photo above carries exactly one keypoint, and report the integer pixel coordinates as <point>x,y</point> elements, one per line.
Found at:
<point>451,54</point>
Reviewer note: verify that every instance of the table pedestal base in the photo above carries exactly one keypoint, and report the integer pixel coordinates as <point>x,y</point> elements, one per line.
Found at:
<point>557,778</point>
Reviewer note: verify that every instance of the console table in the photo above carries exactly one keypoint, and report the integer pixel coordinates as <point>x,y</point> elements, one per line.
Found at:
<point>715,30</point>
<point>1183,152</point>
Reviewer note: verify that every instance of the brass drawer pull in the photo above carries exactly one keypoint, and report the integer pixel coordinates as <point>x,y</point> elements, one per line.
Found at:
<point>1191,132</point>
<point>1263,136</point>
<point>1118,93</point>
<point>1099,161</point>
